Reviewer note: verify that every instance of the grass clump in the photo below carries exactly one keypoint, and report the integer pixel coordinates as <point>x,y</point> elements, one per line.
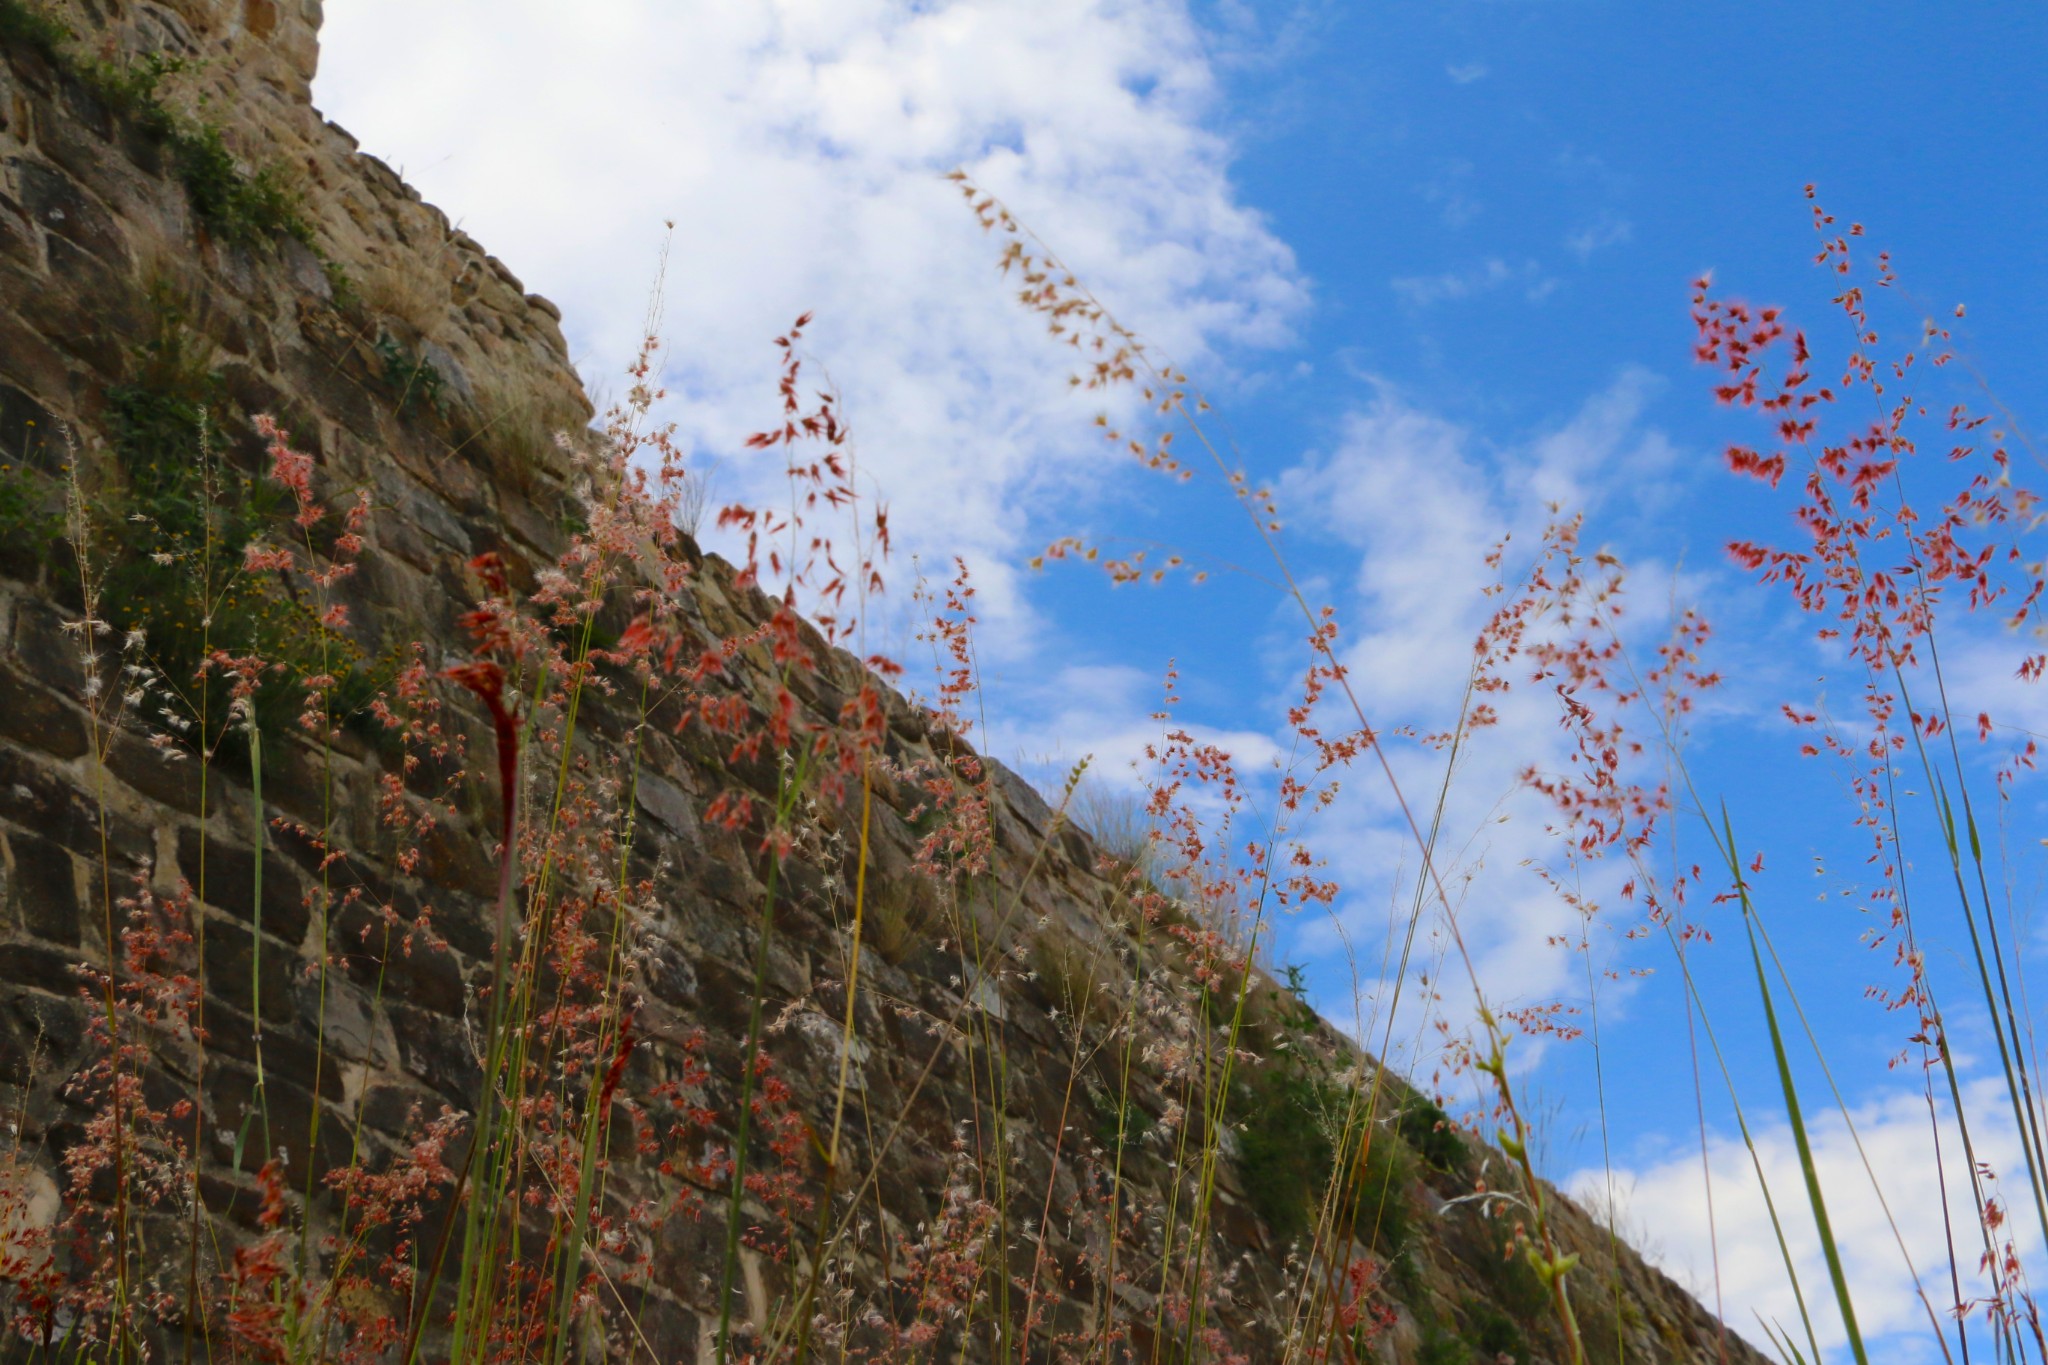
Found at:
<point>414,379</point>
<point>1301,1131</point>
<point>1071,976</point>
<point>1493,1331</point>
<point>901,917</point>
<point>1283,1153</point>
<point>1117,820</point>
<point>523,431</point>
<point>177,537</point>
<point>1443,1348</point>
<point>1119,1126</point>
<point>1430,1132</point>
<point>243,207</point>
<point>30,522</point>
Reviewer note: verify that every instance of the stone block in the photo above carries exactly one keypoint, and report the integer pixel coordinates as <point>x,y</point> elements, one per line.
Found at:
<point>287,1054</point>
<point>17,236</point>
<point>37,798</point>
<point>29,435</point>
<point>399,1111</point>
<point>329,382</point>
<point>435,1050</point>
<point>46,969</point>
<point>54,1027</point>
<point>668,973</point>
<point>17,1053</point>
<point>457,858</point>
<point>43,884</point>
<point>167,776</point>
<point>57,205</point>
<point>223,873</point>
<point>42,647</point>
<point>80,283</point>
<point>376,954</point>
<point>466,924</point>
<point>236,1109</point>
<point>28,359</point>
<point>239,968</point>
<point>36,717</point>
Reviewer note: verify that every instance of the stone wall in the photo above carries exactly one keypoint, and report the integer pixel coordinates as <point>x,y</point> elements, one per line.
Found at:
<point>327,330</point>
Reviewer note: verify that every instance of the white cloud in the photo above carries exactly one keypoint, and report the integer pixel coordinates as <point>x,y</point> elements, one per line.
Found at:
<point>798,147</point>
<point>1980,661</point>
<point>1422,498</point>
<point>1465,73</point>
<point>1667,1194</point>
<point>1109,714</point>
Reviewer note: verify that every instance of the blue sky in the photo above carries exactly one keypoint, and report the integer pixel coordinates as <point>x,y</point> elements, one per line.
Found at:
<point>1431,262</point>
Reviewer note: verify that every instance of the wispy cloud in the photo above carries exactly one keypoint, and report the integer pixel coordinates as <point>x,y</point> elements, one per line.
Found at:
<point>1426,291</point>
<point>1465,73</point>
<point>1603,232</point>
<point>1417,500</point>
<point>1451,189</point>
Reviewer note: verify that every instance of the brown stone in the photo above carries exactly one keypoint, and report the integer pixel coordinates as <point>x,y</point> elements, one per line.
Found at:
<point>36,797</point>
<point>239,968</point>
<point>223,874</point>
<point>56,204</point>
<point>167,775</point>
<point>43,884</point>
<point>38,718</point>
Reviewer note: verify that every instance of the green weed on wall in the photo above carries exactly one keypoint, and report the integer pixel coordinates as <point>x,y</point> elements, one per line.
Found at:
<point>245,207</point>
<point>1292,1115</point>
<point>172,546</point>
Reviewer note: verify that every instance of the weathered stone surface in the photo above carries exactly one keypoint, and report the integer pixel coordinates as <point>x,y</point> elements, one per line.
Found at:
<point>28,433</point>
<point>37,718</point>
<point>237,1108</point>
<point>239,968</point>
<point>168,776</point>
<point>41,798</point>
<point>44,969</point>
<point>223,874</point>
<point>435,1050</point>
<point>56,203</point>
<point>43,882</point>
<point>384,950</point>
<point>285,1054</point>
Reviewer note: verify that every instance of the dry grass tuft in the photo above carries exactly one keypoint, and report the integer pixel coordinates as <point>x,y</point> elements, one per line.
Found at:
<point>900,919</point>
<point>520,429</point>
<point>1116,818</point>
<point>1079,979</point>
<point>414,290</point>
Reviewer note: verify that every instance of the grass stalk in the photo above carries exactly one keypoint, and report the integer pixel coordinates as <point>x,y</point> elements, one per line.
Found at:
<point>1815,1198</point>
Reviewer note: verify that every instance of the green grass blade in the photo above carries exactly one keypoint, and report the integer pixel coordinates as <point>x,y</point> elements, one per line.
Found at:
<point>1814,1197</point>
